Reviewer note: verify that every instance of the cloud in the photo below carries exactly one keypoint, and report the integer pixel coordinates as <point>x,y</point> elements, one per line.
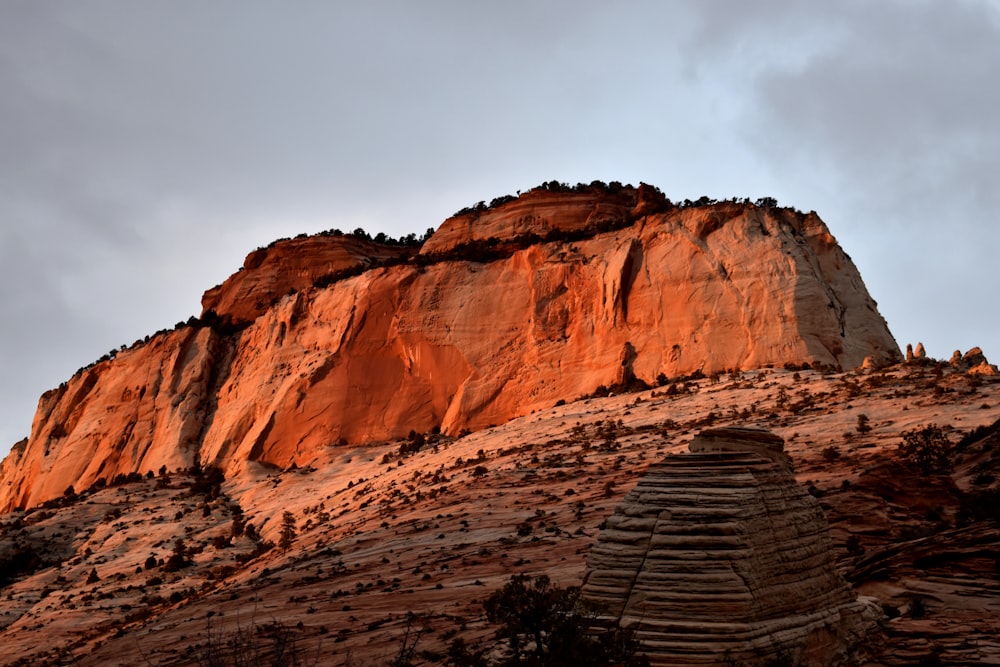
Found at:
<point>902,102</point>
<point>881,117</point>
<point>149,146</point>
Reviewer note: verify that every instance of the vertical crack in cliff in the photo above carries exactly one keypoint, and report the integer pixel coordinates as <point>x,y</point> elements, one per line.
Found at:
<point>259,443</point>
<point>219,367</point>
<point>631,266</point>
<point>639,570</point>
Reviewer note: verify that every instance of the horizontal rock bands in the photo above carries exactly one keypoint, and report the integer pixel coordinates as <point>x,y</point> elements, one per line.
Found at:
<point>713,551</point>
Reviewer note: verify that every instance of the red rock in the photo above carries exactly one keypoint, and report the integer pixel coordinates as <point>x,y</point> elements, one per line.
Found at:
<point>452,343</point>
<point>289,266</point>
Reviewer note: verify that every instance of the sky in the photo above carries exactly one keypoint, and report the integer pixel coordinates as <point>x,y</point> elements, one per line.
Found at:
<point>147,147</point>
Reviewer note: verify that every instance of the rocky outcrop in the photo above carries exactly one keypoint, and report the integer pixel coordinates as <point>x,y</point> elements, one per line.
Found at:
<point>286,267</point>
<point>720,555</point>
<point>610,288</point>
<point>540,211</point>
<point>973,362</point>
<point>143,410</point>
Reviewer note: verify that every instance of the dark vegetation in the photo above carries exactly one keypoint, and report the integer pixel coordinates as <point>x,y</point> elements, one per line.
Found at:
<point>538,623</point>
<point>613,188</point>
<point>928,450</point>
<point>270,645</point>
<point>19,561</point>
<point>545,625</point>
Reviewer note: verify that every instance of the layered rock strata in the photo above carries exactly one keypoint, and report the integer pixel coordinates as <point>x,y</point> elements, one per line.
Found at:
<point>719,555</point>
<point>289,266</point>
<point>609,286</point>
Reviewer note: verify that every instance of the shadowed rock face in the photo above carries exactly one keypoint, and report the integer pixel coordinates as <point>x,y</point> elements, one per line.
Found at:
<point>720,554</point>
<point>284,368</point>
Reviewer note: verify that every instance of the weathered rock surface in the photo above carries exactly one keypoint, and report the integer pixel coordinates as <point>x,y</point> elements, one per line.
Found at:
<point>453,343</point>
<point>290,266</point>
<point>144,410</point>
<point>538,212</point>
<point>442,536</point>
<point>973,362</point>
<point>720,554</point>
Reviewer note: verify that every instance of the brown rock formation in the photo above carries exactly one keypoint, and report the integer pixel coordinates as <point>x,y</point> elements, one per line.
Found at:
<point>973,362</point>
<point>290,266</point>
<point>450,341</point>
<point>539,211</point>
<point>720,554</point>
<point>145,409</point>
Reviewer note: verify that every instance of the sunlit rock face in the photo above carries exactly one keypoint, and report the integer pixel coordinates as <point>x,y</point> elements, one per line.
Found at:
<point>286,267</point>
<point>719,555</point>
<point>579,290</point>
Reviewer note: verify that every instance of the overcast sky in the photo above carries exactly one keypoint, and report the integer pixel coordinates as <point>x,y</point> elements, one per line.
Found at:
<point>146,147</point>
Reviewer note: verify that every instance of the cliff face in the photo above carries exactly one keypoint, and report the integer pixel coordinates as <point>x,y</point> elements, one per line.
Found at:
<point>289,266</point>
<point>441,340</point>
<point>143,410</point>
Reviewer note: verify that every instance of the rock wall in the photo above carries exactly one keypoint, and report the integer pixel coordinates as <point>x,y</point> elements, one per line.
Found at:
<point>290,266</point>
<point>145,409</point>
<point>453,343</point>
<point>536,212</point>
<point>719,555</point>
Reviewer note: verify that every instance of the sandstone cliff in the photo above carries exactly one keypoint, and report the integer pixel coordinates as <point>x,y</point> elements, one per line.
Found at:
<point>286,267</point>
<point>312,344</point>
<point>720,556</point>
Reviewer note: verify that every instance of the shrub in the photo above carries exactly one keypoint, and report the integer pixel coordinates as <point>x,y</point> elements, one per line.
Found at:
<point>983,479</point>
<point>927,449</point>
<point>208,482</point>
<point>414,442</point>
<point>271,645</point>
<point>547,625</point>
<point>979,506</point>
<point>831,454</point>
<point>22,561</point>
<point>287,531</point>
<point>863,426</point>
<point>179,558</point>
<point>977,434</point>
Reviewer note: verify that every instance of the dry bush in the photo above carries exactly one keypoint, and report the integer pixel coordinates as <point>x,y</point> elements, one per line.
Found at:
<point>928,450</point>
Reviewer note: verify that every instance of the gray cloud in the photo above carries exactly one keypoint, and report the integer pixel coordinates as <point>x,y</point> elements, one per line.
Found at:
<point>146,147</point>
<point>897,115</point>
